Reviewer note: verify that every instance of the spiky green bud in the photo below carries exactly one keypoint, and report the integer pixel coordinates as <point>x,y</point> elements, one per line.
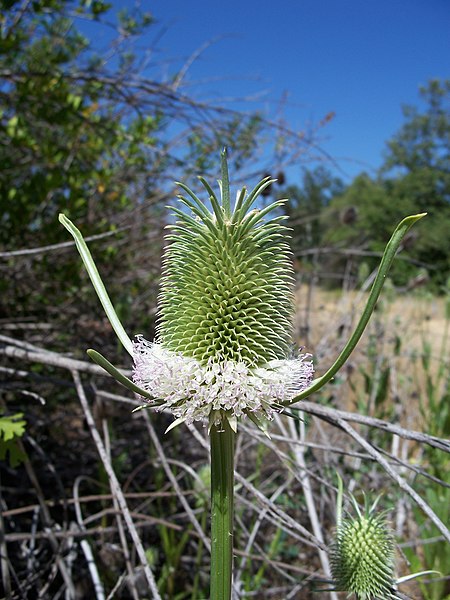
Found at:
<point>226,290</point>
<point>362,557</point>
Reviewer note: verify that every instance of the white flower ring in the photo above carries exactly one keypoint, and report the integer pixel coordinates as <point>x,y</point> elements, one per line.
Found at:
<point>192,390</point>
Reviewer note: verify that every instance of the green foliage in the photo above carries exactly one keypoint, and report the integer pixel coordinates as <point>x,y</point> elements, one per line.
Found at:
<point>433,555</point>
<point>12,428</point>
<point>68,141</point>
<point>356,221</point>
<point>174,581</point>
<point>422,144</point>
<point>306,207</point>
<point>434,402</point>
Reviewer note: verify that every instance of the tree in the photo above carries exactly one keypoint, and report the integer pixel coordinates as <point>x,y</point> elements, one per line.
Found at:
<point>66,144</point>
<point>358,223</point>
<point>416,171</point>
<point>423,142</point>
<point>306,205</point>
<point>415,178</point>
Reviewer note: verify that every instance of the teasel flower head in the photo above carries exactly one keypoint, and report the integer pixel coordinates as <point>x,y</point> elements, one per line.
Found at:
<point>224,333</point>
<point>362,555</point>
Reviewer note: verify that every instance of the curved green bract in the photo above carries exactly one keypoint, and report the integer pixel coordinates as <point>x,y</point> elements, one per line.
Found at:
<point>97,283</point>
<point>386,262</point>
<point>118,376</point>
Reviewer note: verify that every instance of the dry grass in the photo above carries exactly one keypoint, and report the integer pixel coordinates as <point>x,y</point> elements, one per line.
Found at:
<point>415,316</point>
<point>400,329</point>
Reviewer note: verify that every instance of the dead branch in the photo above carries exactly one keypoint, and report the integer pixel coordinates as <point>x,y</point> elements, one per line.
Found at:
<point>115,486</point>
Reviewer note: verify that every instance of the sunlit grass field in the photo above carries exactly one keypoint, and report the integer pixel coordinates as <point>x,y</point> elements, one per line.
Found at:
<point>408,333</point>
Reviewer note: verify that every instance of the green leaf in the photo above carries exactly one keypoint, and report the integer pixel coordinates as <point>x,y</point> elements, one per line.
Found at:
<point>12,426</point>
<point>120,377</point>
<point>97,283</point>
<point>13,451</point>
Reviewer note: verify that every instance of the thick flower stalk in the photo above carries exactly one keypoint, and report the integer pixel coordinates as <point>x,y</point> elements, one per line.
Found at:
<point>224,330</point>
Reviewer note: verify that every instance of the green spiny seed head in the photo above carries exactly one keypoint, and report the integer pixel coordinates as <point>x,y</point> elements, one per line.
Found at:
<point>226,289</point>
<point>362,557</point>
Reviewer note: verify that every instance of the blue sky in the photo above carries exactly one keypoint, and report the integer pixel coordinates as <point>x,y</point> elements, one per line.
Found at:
<point>361,59</point>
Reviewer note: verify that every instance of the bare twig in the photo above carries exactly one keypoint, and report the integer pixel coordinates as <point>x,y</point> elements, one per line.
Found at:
<point>333,416</point>
<point>280,515</point>
<point>120,528</point>
<point>53,359</point>
<point>115,486</point>
<point>251,538</point>
<point>174,482</point>
<point>299,454</point>
<point>4,561</point>
<point>48,524</point>
<point>93,571</point>
<point>392,473</point>
<point>60,246</point>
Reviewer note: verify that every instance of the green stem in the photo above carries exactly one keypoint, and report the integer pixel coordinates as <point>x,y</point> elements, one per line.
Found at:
<point>97,283</point>
<point>222,497</point>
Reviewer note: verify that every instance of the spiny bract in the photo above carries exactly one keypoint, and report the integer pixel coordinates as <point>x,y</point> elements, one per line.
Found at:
<point>362,557</point>
<point>226,290</point>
